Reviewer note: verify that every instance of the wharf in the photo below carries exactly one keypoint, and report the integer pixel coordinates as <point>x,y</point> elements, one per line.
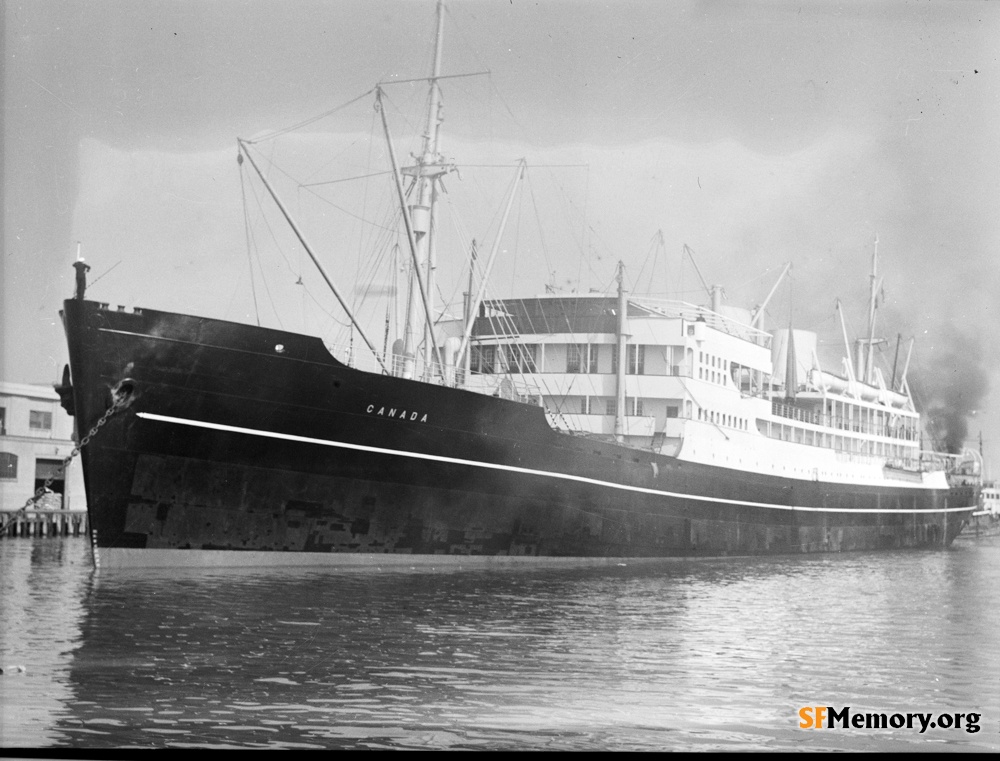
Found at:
<point>983,523</point>
<point>31,523</point>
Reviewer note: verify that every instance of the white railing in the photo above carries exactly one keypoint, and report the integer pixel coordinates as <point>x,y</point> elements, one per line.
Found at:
<point>695,313</point>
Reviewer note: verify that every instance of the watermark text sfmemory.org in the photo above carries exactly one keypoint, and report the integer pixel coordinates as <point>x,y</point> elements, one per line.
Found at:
<point>828,717</point>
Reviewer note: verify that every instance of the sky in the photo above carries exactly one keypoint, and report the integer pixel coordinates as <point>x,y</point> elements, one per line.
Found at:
<point>755,133</point>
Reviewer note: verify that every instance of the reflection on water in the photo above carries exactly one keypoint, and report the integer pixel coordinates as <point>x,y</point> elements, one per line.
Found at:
<point>672,655</point>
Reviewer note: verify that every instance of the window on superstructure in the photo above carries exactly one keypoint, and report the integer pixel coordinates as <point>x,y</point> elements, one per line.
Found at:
<point>40,421</point>
<point>483,359</point>
<point>3,421</point>
<point>581,358</point>
<point>521,358</point>
<point>635,359</point>
<point>612,407</point>
<point>8,466</point>
<point>674,356</point>
<point>673,412</point>
<point>633,406</point>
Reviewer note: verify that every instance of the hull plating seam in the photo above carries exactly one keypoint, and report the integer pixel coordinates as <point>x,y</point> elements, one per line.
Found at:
<point>527,471</point>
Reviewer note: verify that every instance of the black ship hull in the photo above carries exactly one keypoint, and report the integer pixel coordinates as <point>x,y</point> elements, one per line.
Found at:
<point>256,446</point>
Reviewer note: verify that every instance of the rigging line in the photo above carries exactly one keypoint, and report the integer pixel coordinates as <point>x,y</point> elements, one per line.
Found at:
<point>308,121</point>
<point>504,355</point>
<point>446,303</point>
<point>323,309</point>
<point>433,79</point>
<point>539,383</point>
<point>541,228</point>
<point>298,234</point>
<point>260,264</point>
<point>308,189</point>
<point>274,238</point>
<point>506,106</point>
<point>267,289</point>
<point>521,356</point>
<point>91,284</point>
<point>342,209</point>
<point>474,50</point>
<point>401,114</point>
<point>517,239</point>
<point>246,230</point>
<point>527,166</point>
<point>369,234</point>
<point>334,158</point>
<point>653,251</point>
<point>380,242</point>
<point>753,279</point>
<point>344,179</point>
<point>369,274</point>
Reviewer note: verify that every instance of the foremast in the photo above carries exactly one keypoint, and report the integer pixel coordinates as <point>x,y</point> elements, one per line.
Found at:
<point>425,173</point>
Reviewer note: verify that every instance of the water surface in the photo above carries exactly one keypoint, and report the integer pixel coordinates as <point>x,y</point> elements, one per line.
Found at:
<point>674,655</point>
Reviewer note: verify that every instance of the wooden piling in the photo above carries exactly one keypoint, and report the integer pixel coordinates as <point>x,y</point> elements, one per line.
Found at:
<point>43,523</point>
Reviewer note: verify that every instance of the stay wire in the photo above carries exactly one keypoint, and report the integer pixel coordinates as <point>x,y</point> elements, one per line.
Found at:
<point>246,230</point>
<point>306,122</point>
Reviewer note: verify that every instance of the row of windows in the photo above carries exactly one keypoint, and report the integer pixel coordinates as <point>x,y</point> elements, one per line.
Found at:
<point>594,405</point>
<point>580,358</point>
<point>715,376</point>
<point>851,417</point>
<point>721,418</point>
<point>711,360</point>
<point>833,441</point>
<point>515,358</point>
<point>37,421</point>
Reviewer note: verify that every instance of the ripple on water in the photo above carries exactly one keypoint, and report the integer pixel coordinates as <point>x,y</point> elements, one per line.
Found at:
<point>711,655</point>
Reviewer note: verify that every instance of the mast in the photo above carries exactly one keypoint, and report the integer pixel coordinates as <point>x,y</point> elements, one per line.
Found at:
<point>622,356</point>
<point>468,308</point>
<point>791,364</point>
<point>408,357</point>
<point>906,368</point>
<point>847,344</point>
<point>872,303</point>
<point>425,172</point>
<point>895,362</point>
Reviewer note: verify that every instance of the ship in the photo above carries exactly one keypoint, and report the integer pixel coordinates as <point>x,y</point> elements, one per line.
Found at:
<point>564,427</point>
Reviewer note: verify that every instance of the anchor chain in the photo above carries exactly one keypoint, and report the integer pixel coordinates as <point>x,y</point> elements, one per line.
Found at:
<point>121,401</point>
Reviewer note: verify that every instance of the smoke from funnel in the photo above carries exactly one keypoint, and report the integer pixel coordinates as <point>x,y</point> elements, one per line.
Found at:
<point>949,385</point>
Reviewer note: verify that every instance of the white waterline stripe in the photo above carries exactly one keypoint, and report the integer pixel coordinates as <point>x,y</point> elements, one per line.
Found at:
<point>525,471</point>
